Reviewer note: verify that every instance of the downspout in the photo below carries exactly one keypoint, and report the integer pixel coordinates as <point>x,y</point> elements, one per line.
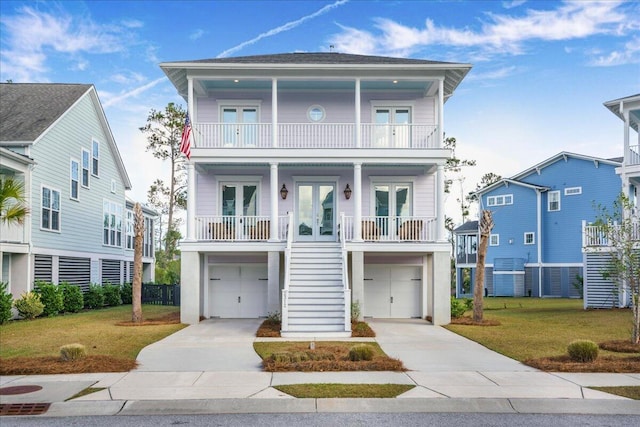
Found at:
<point>539,231</point>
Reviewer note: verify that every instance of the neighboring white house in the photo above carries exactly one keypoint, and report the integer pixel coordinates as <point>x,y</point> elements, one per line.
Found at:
<point>55,138</point>
<point>316,180</point>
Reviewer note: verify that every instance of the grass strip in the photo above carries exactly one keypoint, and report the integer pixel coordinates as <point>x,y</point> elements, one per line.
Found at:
<point>321,391</point>
<point>632,392</point>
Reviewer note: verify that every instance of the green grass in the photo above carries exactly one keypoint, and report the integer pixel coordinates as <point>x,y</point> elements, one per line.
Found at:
<point>632,392</point>
<point>95,329</point>
<point>266,349</point>
<point>532,328</point>
<point>320,391</point>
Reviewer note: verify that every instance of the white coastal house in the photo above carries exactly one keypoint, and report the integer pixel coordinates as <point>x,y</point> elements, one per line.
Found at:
<point>316,181</point>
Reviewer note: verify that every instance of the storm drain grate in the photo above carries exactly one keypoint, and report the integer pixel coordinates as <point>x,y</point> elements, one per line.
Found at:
<point>24,408</point>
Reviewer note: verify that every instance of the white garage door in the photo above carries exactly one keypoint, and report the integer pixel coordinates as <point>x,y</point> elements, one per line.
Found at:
<point>238,291</point>
<point>392,291</point>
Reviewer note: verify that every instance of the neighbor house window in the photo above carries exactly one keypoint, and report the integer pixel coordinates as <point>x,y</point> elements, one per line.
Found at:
<point>506,199</point>
<point>50,209</point>
<point>129,228</point>
<point>147,246</point>
<point>113,186</point>
<point>75,179</point>
<point>572,191</point>
<point>494,239</point>
<point>112,223</point>
<point>554,201</point>
<point>95,158</point>
<point>529,238</point>
<point>86,160</point>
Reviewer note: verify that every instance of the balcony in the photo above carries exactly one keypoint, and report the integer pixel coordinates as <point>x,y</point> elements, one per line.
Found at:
<point>12,233</point>
<point>594,236</point>
<point>315,135</point>
<point>633,156</point>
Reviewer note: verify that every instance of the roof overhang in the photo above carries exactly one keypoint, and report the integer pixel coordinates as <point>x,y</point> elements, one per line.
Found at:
<point>564,155</point>
<point>630,104</point>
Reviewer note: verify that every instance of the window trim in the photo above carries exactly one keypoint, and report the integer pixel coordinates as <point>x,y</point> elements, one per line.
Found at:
<point>572,191</point>
<point>88,168</point>
<point>109,242</point>
<point>493,200</point>
<point>77,180</point>
<point>95,158</point>
<point>533,238</point>
<point>129,231</point>
<point>497,242</point>
<point>51,190</point>
<point>549,201</point>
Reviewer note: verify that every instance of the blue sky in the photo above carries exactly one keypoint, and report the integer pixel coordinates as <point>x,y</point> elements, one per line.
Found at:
<point>541,70</point>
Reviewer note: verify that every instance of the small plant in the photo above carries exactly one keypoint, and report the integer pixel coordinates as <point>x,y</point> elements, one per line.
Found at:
<point>578,285</point>
<point>273,317</point>
<point>6,302</point>
<point>72,297</point>
<point>29,305</point>
<point>71,352</point>
<point>360,352</point>
<point>51,296</point>
<point>126,293</point>
<point>94,298</point>
<point>583,351</point>
<point>355,311</point>
<point>112,295</point>
<point>458,307</point>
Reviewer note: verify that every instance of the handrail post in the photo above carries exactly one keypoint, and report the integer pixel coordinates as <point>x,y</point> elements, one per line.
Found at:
<point>284,316</point>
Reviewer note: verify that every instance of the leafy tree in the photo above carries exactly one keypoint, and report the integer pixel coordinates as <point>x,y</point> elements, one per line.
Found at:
<point>486,180</point>
<point>13,207</point>
<point>136,297</point>
<point>164,132</point>
<point>486,224</point>
<point>621,229</point>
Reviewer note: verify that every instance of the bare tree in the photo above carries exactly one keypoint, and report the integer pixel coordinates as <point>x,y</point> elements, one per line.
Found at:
<point>486,225</point>
<point>136,297</point>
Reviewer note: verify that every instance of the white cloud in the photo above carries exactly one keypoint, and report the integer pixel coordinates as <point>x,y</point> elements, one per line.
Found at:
<point>630,54</point>
<point>196,34</point>
<point>132,23</point>
<point>496,74</point>
<point>513,3</point>
<point>286,27</point>
<point>128,77</point>
<point>112,100</point>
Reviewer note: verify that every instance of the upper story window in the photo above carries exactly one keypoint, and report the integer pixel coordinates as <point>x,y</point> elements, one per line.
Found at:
<point>75,179</point>
<point>112,223</point>
<point>316,113</point>
<point>240,123</point>
<point>506,199</point>
<point>50,209</point>
<point>392,125</point>
<point>147,247</point>
<point>529,238</point>
<point>129,229</point>
<point>95,158</point>
<point>553,201</point>
<point>494,240</point>
<point>86,156</point>
<point>572,191</point>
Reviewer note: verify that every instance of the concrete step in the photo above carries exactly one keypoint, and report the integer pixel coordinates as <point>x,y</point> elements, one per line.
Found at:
<point>314,282</point>
<point>293,301</point>
<point>316,321</point>
<point>316,328</point>
<point>323,294</point>
<point>298,314</point>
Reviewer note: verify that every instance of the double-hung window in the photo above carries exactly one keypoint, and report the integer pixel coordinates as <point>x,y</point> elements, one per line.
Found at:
<point>529,238</point>
<point>50,209</point>
<point>553,201</point>
<point>75,180</point>
<point>95,158</point>
<point>494,240</point>
<point>112,223</point>
<point>86,160</point>
<point>130,234</point>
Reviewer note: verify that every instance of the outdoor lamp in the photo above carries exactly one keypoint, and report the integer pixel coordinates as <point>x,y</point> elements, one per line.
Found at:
<point>284,192</point>
<point>347,192</point>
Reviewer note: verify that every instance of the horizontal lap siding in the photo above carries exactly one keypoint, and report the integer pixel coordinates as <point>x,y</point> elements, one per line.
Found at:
<point>598,291</point>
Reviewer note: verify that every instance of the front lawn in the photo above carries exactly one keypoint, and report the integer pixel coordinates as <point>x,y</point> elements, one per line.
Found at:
<point>110,347</point>
<point>538,330</point>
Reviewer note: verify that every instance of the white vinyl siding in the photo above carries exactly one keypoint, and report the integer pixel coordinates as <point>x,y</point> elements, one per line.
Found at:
<point>95,166</point>
<point>112,224</point>
<point>50,202</point>
<point>74,180</point>
<point>506,199</point>
<point>494,240</point>
<point>529,238</point>
<point>86,160</point>
<point>553,201</point>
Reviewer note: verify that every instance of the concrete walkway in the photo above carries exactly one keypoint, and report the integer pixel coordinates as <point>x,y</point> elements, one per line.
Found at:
<point>211,367</point>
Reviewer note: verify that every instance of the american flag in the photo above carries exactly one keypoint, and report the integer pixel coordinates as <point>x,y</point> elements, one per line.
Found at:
<point>185,143</point>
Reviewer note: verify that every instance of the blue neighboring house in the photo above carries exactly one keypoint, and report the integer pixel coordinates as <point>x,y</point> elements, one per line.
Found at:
<point>535,247</point>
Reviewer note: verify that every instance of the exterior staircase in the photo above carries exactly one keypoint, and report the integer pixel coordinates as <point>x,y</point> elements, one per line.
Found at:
<point>316,296</point>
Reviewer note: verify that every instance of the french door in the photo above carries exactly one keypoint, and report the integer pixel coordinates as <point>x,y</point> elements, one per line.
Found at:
<point>392,202</point>
<point>237,202</point>
<point>392,127</point>
<point>315,211</point>
<point>240,126</point>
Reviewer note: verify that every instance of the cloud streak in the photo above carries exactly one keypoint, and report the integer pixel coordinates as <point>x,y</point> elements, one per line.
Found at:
<point>114,100</point>
<point>286,27</point>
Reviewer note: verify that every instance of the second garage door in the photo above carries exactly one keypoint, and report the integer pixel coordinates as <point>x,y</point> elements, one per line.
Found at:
<point>392,291</point>
<point>238,291</point>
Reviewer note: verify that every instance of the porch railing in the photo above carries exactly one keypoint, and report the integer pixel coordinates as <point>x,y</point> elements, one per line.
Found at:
<point>13,233</point>
<point>284,316</point>
<point>634,155</point>
<point>596,236</point>
<point>314,135</point>
<point>345,277</point>
<point>235,228</point>
<point>392,229</point>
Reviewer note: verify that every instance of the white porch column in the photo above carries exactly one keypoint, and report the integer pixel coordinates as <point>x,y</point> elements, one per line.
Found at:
<point>441,113</point>
<point>358,114</point>
<point>274,112</point>
<point>627,152</point>
<point>273,196</point>
<point>440,230</point>
<point>357,202</point>
<point>190,287</point>
<point>441,282</point>
<point>191,201</point>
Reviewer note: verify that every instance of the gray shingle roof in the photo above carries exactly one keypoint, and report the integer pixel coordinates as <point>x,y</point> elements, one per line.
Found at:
<point>467,227</point>
<point>315,58</point>
<point>28,109</point>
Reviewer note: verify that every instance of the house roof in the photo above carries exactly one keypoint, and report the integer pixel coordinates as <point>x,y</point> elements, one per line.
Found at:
<point>507,182</point>
<point>28,109</point>
<point>469,226</point>
<point>615,106</point>
<point>561,156</point>
<point>326,61</point>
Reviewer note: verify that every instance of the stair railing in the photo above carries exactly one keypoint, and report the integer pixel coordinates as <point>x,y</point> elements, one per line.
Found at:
<point>284,317</point>
<point>345,274</point>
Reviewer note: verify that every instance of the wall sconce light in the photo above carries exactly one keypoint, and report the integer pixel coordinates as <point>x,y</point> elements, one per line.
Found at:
<point>347,192</point>
<point>284,192</point>
<point>511,241</point>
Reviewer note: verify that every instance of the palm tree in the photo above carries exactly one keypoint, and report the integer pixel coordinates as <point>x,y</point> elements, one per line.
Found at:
<point>13,207</point>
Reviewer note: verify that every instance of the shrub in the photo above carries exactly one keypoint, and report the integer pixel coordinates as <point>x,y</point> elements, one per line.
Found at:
<point>6,302</point>
<point>360,352</point>
<point>51,296</point>
<point>72,297</point>
<point>94,298</point>
<point>458,307</point>
<point>29,305</point>
<point>583,351</point>
<point>126,293</point>
<point>273,317</point>
<point>71,352</point>
<point>355,311</point>
<point>112,295</point>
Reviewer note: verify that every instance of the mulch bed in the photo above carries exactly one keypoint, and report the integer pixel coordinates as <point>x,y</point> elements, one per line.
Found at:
<point>167,319</point>
<point>620,346</point>
<point>622,365</point>
<point>466,320</point>
<point>54,365</point>
<point>271,329</point>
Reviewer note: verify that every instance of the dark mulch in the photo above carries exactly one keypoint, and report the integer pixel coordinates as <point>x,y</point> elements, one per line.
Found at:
<point>620,346</point>
<point>167,319</point>
<point>466,320</point>
<point>271,329</point>
<point>361,330</point>
<point>54,365</point>
<point>609,364</point>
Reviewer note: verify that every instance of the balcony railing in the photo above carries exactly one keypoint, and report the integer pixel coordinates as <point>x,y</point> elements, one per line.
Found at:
<point>596,236</point>
<point>314,135</point>
<point>389,229</point>
<point>634,155</point>
<point>12,233</point>
<point>234,228</point>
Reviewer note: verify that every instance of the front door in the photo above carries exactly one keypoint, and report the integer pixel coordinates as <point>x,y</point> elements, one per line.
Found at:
<point>238,202</point>
<point>392,202</point>
<point>392,127</point>
<point>315,219</point>
<point>240,126</point>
